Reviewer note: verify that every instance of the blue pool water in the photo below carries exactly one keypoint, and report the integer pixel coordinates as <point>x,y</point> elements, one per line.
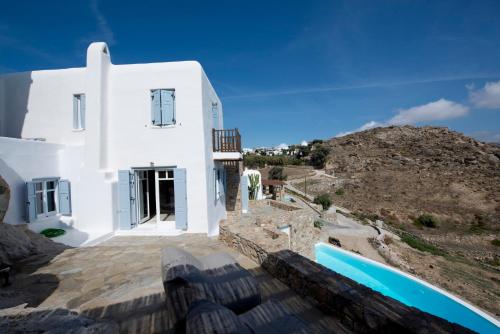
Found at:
<point>393,283</point>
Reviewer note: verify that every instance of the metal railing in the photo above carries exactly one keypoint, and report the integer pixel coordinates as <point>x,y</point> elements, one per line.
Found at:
<point>226,140</point>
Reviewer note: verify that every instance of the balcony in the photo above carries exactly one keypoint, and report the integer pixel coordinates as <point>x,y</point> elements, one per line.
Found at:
<point>226,144</point>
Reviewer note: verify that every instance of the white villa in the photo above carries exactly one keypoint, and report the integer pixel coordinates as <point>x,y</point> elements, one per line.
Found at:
<point>116,148</point>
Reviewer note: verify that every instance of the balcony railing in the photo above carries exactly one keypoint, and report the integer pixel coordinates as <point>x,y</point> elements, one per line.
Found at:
<point>226,140</point>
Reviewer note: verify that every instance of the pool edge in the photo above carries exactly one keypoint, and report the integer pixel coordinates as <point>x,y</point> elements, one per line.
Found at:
<point>471,307</point>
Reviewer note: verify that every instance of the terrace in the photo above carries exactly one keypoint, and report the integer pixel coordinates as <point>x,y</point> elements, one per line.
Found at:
<point>119,281</point>
<point>226,144</point>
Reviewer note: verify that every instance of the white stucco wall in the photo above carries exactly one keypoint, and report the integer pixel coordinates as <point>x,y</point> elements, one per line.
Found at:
<point>22,161</point>
<point>39,104</point>
<point>118,134</point>
<point>133,142</point>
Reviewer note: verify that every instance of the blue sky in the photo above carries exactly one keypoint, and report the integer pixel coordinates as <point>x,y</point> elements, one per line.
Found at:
<point>285,70</point>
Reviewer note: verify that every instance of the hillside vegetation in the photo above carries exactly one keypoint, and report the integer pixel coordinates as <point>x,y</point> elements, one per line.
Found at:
<point>433,182</point>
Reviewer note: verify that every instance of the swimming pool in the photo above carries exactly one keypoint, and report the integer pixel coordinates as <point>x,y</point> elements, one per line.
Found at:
<point>405,288</point>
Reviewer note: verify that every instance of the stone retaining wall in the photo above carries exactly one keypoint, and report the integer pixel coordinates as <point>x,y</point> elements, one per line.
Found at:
<point>248,247</point>
<point>282,206</point>
<point>360,308</point>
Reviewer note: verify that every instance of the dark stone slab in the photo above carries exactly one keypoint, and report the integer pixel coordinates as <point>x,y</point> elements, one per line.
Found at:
<point>360,308</point>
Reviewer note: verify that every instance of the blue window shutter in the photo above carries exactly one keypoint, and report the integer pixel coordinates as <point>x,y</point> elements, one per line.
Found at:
<point>244,193</point>
<point>64,197</point>
<point>30,202</point>
<point>155,107</point>
<point>82,110</point>
<point>126,200</point>
<point>133,211</point>
<point>75,112</point>
<point>180,196</point>
<point>167,107</point>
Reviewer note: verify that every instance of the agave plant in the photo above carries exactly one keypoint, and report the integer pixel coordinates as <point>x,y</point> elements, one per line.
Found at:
<point>253,187</point>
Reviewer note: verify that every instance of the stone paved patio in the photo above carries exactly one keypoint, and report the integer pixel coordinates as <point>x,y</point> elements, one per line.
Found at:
<point>120,280</point>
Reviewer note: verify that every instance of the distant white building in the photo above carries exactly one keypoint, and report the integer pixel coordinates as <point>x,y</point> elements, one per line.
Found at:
<point>119,147</point>
<point>282,147</point>
<point>304,143</point>
<point>248,150</point>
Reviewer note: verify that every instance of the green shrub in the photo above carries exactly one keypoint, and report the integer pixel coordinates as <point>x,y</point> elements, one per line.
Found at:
<point>421,245</point>
<point>495,242</point>
<point>316,141</point>
<point>495,261</point>
<point>478,225</point>
<point>323,200</point>
<point>366,216</point>
<point>318,224</point>
<point>340,192</point>
<point>253,185</point>
<point>319,156</point>
<point>427,221</point>
<point>276,173</point>
<point>52,232</point>
<point>259,161</point>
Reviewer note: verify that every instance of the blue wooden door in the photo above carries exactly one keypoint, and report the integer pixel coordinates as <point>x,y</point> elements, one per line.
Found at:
<point>180,197</point>
<point>64,197</point>
<point>244,193</point>
<point>30,202</point>
<point>127,215</point>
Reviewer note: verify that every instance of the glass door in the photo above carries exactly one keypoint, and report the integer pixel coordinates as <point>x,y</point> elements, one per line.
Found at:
<point>143,191</point>
<point>165,202</point>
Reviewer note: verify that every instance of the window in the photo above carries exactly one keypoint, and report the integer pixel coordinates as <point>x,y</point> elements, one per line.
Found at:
<point>163,107</point>
<point>215,115</point>
<point>165,174</point>
<point>45,197</point>
<point>79,112</point>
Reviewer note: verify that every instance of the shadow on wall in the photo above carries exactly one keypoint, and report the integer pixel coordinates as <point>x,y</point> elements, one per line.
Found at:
<point>15,106</point>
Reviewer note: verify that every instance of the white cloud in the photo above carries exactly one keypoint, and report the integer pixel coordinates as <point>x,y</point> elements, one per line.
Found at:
<point>366,126</point>
<point>439,110</point>
<point>106,32</point>
<point>369,125</point>
<point>487,97</point>
<point>282,146</point>
<point>434,111</point>
<point>486,136</point>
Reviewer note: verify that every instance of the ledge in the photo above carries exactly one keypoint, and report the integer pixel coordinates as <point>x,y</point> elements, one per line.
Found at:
<point>228,156</point>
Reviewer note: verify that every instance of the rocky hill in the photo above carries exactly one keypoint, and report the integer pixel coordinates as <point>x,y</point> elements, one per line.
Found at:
<point>399,173</point>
